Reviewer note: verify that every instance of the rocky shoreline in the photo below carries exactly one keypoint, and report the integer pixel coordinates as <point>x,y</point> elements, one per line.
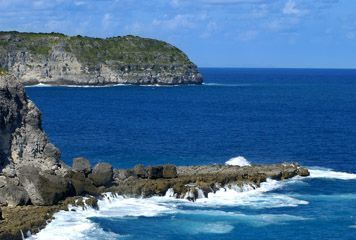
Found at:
<point>190,183</point>
<point>35,183</point>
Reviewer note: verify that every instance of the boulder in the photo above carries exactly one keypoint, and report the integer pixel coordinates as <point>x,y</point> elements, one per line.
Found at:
<point>140,171</point>
<point>102,174</point>
<point>82,185</point>
<point>44,188</point>
<point>169,171</point>
<point>12,195</point>
<point>122,174</point>
<point>81,164</point>
<point>155,172</point>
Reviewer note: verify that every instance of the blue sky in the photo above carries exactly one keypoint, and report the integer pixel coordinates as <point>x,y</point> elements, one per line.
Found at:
<point>214,33</point>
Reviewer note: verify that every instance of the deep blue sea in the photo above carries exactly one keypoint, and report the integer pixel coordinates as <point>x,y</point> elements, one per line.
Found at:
<point>264,115</point>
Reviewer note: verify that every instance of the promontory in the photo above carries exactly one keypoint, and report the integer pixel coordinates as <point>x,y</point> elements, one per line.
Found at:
<point>58,59</point>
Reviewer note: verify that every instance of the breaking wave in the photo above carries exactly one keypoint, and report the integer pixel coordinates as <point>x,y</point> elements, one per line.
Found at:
<point>77,224</point>
<point>329,173</point>
<point>238,161</point>
<point>227,84</point>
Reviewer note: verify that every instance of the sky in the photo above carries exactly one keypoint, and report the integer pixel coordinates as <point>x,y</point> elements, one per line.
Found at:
<point>213,33</point>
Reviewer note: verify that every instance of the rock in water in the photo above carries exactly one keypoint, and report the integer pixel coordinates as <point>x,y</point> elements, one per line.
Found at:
<point>102,174</point>
<point>23,144</point>
<point>58,59</point>
<point>81,164</point>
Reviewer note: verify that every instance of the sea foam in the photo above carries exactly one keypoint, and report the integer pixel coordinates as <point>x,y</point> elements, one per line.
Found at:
<point>252,196</point>
<point>77,224</point>
<point>328,173</point>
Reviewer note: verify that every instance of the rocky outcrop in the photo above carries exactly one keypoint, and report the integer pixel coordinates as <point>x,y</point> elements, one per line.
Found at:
<point>27,159</point>
<point>63,60</point>
<point>187,182</point>
<point>31,171</point>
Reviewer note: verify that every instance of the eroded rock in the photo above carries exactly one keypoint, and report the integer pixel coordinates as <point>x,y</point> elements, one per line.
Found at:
<point>81,164</point>
<point>25,151</point>
<point>102,174</point>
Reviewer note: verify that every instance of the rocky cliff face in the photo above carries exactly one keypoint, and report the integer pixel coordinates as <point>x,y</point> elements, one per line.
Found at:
<point>27,158</point>
<point>62,60</point>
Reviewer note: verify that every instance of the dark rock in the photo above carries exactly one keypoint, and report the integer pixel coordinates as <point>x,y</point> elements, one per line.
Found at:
<point>44,188</point>
<point>102,174</point>
<point>140,171</point>
<point>303,172</point>
<point>92,202</point>
<point>169,171</point>
<point>81,164</point>
<point>155,172</point>
<point>83,185</point>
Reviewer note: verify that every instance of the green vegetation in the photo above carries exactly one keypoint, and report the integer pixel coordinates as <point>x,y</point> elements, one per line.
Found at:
<point>116,51</point>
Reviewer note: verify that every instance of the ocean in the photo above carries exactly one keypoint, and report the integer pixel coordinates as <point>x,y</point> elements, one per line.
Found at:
<point>252,115</point>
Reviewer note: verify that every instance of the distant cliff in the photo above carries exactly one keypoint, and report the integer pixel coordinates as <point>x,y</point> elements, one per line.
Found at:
<point>57,59</point>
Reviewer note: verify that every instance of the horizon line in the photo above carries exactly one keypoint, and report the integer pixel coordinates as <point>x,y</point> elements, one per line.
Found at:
<point>291,68</point>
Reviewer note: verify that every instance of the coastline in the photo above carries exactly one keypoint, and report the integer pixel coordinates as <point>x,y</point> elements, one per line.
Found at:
<point>189,183</point>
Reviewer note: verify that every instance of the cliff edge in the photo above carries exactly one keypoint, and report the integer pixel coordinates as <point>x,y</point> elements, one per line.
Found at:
<point>57,59</point>
<point>30,166</point>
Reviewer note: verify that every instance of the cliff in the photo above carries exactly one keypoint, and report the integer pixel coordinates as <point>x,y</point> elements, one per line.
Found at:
<point>30,166</point>
<point>58,59</point>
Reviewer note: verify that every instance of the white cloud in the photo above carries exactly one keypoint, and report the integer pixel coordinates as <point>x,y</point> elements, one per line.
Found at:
<point>290,8</point>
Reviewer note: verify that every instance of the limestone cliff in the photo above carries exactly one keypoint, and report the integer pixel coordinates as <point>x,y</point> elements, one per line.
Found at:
<point>27,158</point>
<point>60,60</point>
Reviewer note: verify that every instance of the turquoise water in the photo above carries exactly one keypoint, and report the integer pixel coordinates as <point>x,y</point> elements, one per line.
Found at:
<point>264,115</point>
